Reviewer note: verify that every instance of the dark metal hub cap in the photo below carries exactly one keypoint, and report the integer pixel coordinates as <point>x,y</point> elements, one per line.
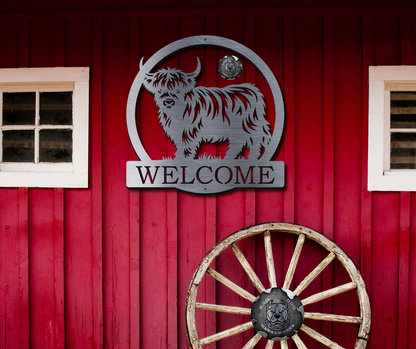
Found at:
<point>277,314</point>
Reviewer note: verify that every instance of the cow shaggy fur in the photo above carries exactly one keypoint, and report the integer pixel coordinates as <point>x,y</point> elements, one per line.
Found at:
<point>191,115</point>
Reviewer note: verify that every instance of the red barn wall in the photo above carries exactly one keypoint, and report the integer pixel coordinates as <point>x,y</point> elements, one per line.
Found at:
<point>110,267</point>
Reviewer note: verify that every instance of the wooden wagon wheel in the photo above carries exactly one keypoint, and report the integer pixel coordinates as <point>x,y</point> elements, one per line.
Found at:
<point>280,296</point>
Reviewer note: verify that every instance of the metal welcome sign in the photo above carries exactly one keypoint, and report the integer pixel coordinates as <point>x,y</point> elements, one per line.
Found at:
<point>191,115</point>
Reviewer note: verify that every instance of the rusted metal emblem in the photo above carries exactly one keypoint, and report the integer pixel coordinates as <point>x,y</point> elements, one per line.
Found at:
<point>277,314</point>
<point>230,67</point>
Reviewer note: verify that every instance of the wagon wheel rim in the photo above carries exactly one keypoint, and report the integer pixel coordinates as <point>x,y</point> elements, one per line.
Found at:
<point>267,229</point>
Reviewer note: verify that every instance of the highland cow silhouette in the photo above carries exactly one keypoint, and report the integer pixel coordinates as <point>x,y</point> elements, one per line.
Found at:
<point>191,115</point>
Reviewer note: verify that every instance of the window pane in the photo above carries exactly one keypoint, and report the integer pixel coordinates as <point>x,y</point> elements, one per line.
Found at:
<point>403,151</point>
<point>55,146</point>
<point>55,108</point>
<point>19,108</point>
<point>403,109</point>
<point>18,146</point>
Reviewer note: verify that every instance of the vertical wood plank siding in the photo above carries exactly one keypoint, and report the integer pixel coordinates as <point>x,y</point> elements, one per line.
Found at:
<point>108,267</point>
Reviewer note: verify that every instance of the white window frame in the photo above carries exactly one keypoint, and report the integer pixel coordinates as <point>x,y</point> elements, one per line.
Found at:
<point>52,175</point>
<point>382,80</point>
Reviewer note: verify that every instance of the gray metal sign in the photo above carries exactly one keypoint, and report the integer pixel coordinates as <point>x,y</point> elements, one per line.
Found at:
<point>191,115</point>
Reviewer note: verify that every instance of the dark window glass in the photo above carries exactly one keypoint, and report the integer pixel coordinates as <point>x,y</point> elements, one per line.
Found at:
<point>55,146</point>
<point>55,108</point>
<point>19,108</point>
<point>403,109</point>
<point>403,151</point>
<point>18,146</point>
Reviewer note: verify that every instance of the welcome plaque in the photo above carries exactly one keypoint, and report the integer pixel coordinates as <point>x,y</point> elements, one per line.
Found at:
<point>191,115</point>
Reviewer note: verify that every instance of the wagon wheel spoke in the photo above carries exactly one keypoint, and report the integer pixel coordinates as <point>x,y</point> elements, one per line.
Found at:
<point>231,285</point>
<point>249,270</point>
<point>269,259</point>
<point>314,273</point>
<point>333,317</point>
<point>320,338</point>
<point>252,342</point>
<point>299,342</point>
<point>329,293</point>
<point>227,333</point>
<point>223,308</point>
<point>294,261</point>
<point>283,344</point>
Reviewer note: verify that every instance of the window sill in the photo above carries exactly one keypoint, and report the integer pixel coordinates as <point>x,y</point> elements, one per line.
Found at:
<point>393,180</point>
<point>44,179</point>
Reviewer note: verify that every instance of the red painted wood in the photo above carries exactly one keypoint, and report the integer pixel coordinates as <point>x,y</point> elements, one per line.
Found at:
<point>43,320</point>
<point>404,254</point>
<point>94,5</point>
<point>59,43</point>
<point>12,250</point>
<point>405,41</point>
<point>153,269</point>
<point>317,10</point>
<point>348,95</point>
<point>270,204</point>
<point>386,40</point>
<point>79,296</point>
<point>412,40</point>
<point>59,272</point>
<point>411,305</point>
<point>23,270</point>
<point>115,155</point>
<point>210,240</point>
<point>42,43</point>
<point>10,44</point>
<point>329,132</point>
<point>172,261</point>
<point>24,32</point>
<point>385,248</point>
<point>288,141</point>
<point>308,118</point>
<point>97,188</point>
<point>79,42</point>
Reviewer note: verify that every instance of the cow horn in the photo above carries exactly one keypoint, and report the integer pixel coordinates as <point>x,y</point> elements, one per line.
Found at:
<point>141,63</point>
<point>197,70</point>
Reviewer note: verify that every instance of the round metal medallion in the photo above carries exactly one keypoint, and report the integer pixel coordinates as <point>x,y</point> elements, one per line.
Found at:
<point>277,314</point>
<point>230,67</point>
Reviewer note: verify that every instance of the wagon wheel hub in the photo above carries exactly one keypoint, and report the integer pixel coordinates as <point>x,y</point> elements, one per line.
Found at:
<point>277,314</point>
